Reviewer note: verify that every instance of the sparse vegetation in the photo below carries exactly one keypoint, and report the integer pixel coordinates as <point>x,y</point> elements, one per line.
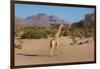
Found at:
<point>35,34</point>
<point>84,28</point>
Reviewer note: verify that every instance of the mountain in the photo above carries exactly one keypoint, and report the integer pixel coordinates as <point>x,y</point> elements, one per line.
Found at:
<point>55,20</point>
<point>39,20</point>
<point>87,23</point>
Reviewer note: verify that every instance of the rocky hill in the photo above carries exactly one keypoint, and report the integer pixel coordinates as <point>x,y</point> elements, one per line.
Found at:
<point>38,20</point>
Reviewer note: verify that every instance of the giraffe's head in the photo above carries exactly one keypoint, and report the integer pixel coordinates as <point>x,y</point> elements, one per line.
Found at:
<point>61,25</point>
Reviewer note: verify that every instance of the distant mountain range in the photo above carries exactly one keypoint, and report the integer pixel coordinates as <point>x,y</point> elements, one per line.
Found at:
<point>38,20</point>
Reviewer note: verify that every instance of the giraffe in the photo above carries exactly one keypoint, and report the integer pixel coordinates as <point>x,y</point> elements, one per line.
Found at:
<point>54,42</point>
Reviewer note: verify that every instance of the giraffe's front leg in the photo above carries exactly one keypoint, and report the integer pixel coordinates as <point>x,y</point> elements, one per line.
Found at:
<point>57,48</point>
<point>51,48</point>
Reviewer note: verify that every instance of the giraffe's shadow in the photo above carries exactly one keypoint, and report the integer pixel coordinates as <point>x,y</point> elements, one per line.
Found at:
<point>35,55</point>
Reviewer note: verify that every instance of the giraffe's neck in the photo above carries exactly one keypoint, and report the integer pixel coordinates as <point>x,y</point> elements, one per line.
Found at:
<point>58,33</point>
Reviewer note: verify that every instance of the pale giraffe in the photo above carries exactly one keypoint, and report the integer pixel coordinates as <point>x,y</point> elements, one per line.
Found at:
<point>54,42</point>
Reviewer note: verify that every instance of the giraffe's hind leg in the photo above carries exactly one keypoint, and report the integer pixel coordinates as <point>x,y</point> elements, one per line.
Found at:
<point>51,48</point>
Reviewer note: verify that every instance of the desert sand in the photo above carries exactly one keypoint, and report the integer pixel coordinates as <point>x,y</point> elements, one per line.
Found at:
<point>37,51</point>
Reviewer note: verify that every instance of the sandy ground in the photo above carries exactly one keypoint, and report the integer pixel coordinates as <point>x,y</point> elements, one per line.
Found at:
<point>37,51</point>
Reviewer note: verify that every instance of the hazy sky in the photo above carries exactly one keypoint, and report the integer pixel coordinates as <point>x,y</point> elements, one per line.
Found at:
<point>69,14</point>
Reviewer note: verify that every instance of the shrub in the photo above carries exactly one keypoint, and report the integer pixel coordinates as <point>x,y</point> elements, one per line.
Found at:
<point>77,32</point>
<point>66,33</point>
<point>35,34</point>
<point>88,33</point>
<point>51,31</point>
<point>43,33</point>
